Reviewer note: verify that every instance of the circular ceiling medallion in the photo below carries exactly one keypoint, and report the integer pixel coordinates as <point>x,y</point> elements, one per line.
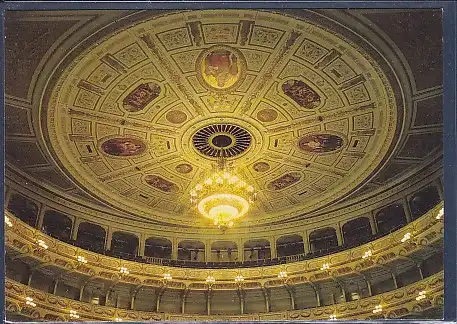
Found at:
<point>176,117</point>
<point>261,167</point>
<point>184,168</point>
<point>221,67</point>
<point>267,115</point>
<point>222,140</point>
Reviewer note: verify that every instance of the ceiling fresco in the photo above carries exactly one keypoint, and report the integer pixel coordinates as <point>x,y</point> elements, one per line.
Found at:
<point>139,117</point>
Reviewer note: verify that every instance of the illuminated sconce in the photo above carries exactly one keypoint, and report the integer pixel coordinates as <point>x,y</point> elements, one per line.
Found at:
<point>42,244</point>
<point>239,278</point>
<point>73,314</point>
<point>29,301</point>
<point>8,221</point>
<point>377,309</point>
<point>82,259</point>
<point>440,214</point>
<point>167,276</point>
<point>367,254</point>
<point>406,237</point>
<point>422,295</point>
<point>282,275</point>
<point>333,317</point>
<point>210,280</point>
<point>325,266</point>
<point>124,270</point>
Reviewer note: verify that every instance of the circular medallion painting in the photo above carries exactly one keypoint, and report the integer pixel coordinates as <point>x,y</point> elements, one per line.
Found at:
<point>320,143</point>
<point>123,146</point>
<point>221,67</point>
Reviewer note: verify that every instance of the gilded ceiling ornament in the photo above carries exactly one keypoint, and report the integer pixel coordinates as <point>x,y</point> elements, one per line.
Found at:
<point>320,143</point>
<point>221,67</point>
<point>141,96</point>
<point>285,181</point>
<point>261,166</point>
<point>176,116</point>
<point>160,183</point>
<point>123,146</point>
<point>184,168</point>
<point>267,115</point>
<point>301,93</point>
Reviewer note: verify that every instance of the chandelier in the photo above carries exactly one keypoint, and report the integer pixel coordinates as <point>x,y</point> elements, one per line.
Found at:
<point>222,197</point>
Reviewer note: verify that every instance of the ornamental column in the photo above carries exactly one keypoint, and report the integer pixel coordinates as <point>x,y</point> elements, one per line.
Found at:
<point>208,301</point>
<point>439,187</point>
<point>267,299</point>
<point>273,252</point>
<point>339,235</point>
<point>208,251</point>
<point>174,248</point>
<point>40,218</point>
<point>74,228</point>
<point>142,245</point>
<point>240,251</point>
<point>109,237</point>
<point>54,289</point>
<point>6,200</point>
<point>407,210</point>
<point>305,242</point>
<point>373,226</point>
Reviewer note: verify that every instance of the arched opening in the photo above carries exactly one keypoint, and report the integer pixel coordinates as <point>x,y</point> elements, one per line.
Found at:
<point>224,251</point>
<point>290,245</point>
<point>57,225</point>
<point>323,240</point>
<point>191,250</point>
<point>157,248</point>
<point>390,218</point>
<point>356,231</point>
<point>257,250</point>
<point>422,201</point>
<point>24,209</point>
<point>91,237</point>
<point>124,245</point>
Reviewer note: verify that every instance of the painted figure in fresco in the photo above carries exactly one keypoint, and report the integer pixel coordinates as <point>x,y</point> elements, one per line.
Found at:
<point>222,66</point>
<point>320,143</point>
<point>160,183</point>
<point>123,146</point>
<point>284,181</point>
<point>139,98</point>
<point>301,93</point>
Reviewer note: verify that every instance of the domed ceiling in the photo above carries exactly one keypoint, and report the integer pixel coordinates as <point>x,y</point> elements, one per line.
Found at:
<point>138,118</point>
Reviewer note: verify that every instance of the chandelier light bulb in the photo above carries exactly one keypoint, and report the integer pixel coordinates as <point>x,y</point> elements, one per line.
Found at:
<point>406,237</point>
<point>282,275</point>
<point>440,213</point>
<point>8,221</point>
<point>422,295</point>
<point>239,278</point>
<point>367,254</point>
<point>42,244</point>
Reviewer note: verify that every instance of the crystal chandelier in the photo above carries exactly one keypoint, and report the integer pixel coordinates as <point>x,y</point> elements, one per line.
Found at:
<point>222,196</point>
